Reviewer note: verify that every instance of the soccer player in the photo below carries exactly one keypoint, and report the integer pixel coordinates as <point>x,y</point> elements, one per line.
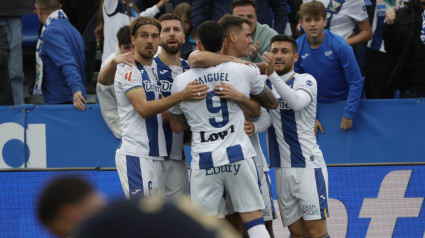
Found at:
<point>169,65</point>
<point>221,151</point>
<point>301,174</point>
<point>143,147</point>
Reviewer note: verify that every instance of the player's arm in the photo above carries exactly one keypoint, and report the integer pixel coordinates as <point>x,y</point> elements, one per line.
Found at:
<point>250,106</point>
<point>107,72</point>
<point>364,35</point>
<point>145,108</point>
<point>254,127</point>
<point>296,99</point>
<point>178,122</point>
<point>200,58</point>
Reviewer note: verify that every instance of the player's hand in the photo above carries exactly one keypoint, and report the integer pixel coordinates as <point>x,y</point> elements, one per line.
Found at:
<point>390,16</point>
<point>346,123</point>
<point>270,60</point>
<point>318,126</point>
<point>127,58</point>
<point>79,101</point>
<point>227,91</point>
<point>249,128</point>
<point>253,50</point>
<point>195,91</point>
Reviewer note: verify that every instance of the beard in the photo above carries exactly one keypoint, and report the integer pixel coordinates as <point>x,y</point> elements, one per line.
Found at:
<point>286,69</point>
<point>173,49</point>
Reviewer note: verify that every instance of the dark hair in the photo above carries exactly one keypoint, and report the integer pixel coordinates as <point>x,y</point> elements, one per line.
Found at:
<point>211,36</point>
<point>123,35</point>
<point>63,190</point>
<point>240,3</point>
<point>285,38</point>
<point>183,8</point>
<point>170,16</point>
<point>313,9</point>
<point>232,22</point>
<point>49,5</point>
<point>141,21</point>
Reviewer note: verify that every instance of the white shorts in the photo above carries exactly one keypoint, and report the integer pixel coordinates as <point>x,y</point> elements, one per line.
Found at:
<point>176,178</point>
<point>239,180</point>
<point>302,192</point>
<point>269,212</point>
<point>139,176</point>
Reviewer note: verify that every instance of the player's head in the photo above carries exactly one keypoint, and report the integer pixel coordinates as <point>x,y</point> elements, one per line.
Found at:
<point>183,10</point>
<point>43,8</point>
<point>237,34</point>
<point>248,9</point>
<point>284,50</point>
<point>124,40</point>
<point>211,36</point>
<point>172,36</point>
<point>65,202</point>
<point>145,36</point>
<point>312,17</point>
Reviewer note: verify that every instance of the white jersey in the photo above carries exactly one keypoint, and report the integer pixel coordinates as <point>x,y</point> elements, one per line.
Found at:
<point>217,125</point>
<point>343,15</point>
<point>140,137</point>
<point>291,139</point>
<point>167,75</point>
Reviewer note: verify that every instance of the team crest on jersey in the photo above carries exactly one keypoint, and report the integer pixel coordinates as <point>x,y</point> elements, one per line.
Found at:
<point>309,83</point>
<point>335,6</point>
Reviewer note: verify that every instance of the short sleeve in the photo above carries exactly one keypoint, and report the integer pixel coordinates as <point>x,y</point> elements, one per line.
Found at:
<point>255,79</point>
<point>129,77</point>
<point>356,10</point>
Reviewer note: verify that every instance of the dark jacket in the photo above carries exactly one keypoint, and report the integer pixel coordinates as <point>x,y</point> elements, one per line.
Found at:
<point>6,97</point>
<point>398,40</point>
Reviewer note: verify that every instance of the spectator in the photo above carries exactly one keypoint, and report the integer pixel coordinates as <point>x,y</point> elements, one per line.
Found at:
<point>65,202</point>
<point>59,57</point>
<point>330,60</point>
<point>404,37</point>
<point>106,94</point>
<point>204,10</point>
<point>261,34</point>
<point>116,14</point>
<point>280,14</point>
<point>10,20</point>
<point>154,217</point>
<point>183,10</point>
<point>379,64</point>
<point>6,96</point>
<point>343,17</point>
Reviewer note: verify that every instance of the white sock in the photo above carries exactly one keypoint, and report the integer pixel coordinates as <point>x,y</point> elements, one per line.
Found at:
<point>258,231</point>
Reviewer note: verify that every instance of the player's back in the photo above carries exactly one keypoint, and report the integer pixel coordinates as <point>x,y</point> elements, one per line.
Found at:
<point>218,136</point>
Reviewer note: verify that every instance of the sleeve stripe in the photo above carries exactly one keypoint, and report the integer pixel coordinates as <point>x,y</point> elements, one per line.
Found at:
<point>261,91</point>
<point>128,90</point>
<point>311,96</point>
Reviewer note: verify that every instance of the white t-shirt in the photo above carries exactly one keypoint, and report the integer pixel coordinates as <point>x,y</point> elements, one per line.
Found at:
<point>140,137</point>
<point>218,136</point>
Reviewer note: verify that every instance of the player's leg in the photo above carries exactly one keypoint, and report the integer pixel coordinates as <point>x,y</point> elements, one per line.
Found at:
<point>138,176</point>
<point>176,178</point>
<point>206,190</point>
<point>269,212</point>
<point>243,186</point>
<point>314,201</point>
<point>287,183</point>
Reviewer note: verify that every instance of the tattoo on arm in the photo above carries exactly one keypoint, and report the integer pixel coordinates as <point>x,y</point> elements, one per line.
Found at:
<point>267,99</point>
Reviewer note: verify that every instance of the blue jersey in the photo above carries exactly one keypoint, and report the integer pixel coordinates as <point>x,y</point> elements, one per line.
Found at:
<point>335,68</point>
<point>142,137</point>
<point>166,75</point>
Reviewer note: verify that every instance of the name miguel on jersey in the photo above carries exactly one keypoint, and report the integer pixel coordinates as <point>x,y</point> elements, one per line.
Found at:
<point>215,136</point>
<point>213,77</point>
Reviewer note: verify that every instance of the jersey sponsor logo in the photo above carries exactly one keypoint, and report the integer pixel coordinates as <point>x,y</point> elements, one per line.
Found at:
<point>128,76</point>
<point>309,83</point>
<point>166,85</point>
<point>283,105</point>
<point>215,136</point>
<point>305,56</point>
<point>328,53</point>
<point>163,71</point>
<point>228,168</point>
<point>149,87</point>
<point>213,77</point>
